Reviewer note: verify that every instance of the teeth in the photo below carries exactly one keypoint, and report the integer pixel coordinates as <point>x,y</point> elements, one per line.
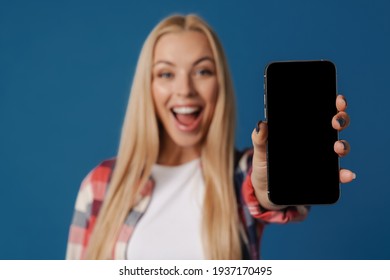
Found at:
<point>185,110</point>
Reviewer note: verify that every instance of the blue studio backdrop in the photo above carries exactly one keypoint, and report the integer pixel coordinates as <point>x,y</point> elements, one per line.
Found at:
<point>65,72</point>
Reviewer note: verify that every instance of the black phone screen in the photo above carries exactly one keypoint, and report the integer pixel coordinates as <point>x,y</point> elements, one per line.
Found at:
<point>300,102</point>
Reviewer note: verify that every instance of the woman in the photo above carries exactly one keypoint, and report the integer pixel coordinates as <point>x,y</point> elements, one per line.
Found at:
<point>176,167</point>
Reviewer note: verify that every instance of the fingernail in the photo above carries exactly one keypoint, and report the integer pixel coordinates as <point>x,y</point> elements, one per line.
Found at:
<point>345,145</point>
<point>341,121</point>
<point>345,100</point>
<point>258,126</point>
<point>353,176</point>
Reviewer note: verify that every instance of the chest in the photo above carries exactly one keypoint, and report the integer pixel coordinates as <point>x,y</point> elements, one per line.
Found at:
<point>170,228</point>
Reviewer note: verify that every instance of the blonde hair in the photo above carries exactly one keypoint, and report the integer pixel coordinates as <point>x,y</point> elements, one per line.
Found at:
<point>139,149</point>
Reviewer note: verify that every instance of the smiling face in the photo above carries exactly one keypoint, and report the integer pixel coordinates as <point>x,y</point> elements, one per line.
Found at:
<point>185,90</point>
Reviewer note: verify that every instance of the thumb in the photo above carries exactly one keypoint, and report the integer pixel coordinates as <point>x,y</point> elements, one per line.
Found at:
<point>259,140</point>
<point>259,166</point>
<point>259,161</point>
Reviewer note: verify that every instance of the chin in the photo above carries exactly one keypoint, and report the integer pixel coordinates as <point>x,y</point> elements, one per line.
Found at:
<point>187,142</point>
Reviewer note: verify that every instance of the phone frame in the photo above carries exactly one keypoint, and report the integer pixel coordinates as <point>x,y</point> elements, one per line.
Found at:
<point>333,198</point>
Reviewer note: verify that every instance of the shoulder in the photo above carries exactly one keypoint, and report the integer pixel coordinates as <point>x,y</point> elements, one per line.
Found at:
<point>100,173</point>
<point>89,200</point>
<point>93,187</point>
<point>243,160</point>
<point>242,166</point>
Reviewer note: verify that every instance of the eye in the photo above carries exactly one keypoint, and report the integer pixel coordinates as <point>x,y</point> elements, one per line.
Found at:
<point>165,75</point>
<point>204,72</point>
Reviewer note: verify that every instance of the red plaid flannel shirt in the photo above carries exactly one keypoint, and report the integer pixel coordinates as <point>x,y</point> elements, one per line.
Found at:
<point>253,217</point>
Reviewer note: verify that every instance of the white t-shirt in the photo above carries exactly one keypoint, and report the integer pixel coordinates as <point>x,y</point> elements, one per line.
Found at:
<point>171,226</point>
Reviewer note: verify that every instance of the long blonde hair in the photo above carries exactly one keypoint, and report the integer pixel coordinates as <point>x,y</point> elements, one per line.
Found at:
<point>139,149</point>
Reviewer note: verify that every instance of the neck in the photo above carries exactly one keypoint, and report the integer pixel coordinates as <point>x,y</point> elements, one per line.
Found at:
<point>171,154</point>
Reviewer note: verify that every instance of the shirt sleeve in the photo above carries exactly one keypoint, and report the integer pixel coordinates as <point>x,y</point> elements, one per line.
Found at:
<point>78,232</point>
<point>288,214</point>
<point>248,197</point>
<point>87,206</point>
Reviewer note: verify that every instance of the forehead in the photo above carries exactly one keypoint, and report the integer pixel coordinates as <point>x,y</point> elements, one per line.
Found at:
<point>182,46</point>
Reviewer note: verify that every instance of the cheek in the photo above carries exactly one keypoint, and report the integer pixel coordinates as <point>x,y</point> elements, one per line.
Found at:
<point>211,95</point>
<point>160,95</point>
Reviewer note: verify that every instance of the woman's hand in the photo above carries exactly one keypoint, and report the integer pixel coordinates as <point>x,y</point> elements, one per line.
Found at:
<point>259,165</point>
<point>339,122</point>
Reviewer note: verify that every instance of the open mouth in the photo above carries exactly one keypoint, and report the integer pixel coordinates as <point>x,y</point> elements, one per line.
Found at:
<point>187,117</point>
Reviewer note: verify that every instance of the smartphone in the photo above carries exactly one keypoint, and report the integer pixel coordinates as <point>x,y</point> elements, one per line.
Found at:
<point>300,102</point>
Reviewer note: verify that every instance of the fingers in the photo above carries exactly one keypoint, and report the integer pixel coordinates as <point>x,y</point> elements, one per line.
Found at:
<point>259,140</point>
<point>347,176</point>
<point>342,148</point>
<point>341,103</point>
<point>340,121</point>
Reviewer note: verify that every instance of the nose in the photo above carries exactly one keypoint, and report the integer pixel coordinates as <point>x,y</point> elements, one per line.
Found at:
<point>184,85</point>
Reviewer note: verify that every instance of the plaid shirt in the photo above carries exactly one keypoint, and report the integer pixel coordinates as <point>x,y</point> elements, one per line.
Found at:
<point>253,217</point>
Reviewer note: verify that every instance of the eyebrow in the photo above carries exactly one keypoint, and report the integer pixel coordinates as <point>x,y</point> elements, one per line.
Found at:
<point>193,64</point>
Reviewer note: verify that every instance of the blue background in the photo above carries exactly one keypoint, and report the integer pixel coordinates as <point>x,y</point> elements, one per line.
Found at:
<point>65,72</point>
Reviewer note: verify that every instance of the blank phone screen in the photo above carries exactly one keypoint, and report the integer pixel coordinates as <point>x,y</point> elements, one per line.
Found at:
<point>300,100</point>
